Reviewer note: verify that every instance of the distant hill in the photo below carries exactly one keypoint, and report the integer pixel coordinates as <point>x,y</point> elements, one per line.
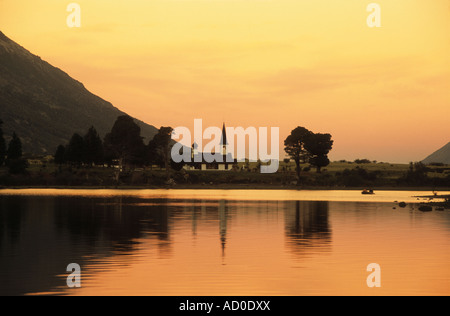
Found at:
<point>440,156</point>
<point>45,106</point>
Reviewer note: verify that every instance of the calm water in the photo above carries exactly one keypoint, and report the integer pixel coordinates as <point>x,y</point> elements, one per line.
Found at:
<point>160,242</point>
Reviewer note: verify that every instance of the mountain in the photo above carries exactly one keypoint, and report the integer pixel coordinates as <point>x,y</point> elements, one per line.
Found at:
<point>440,156</point>
<point>45,106</point>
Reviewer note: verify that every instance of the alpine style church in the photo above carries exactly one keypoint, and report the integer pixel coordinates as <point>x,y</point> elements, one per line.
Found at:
<point>224,165</point>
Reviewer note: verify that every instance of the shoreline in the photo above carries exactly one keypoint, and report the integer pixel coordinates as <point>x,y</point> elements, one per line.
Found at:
<point>227,187</point>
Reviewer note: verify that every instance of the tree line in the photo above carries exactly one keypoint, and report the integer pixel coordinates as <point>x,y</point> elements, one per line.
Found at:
<point>11,155</point>
<point>123,146</point>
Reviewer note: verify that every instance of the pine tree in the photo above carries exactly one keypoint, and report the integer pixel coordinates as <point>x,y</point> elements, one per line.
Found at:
<point>93,147</point>
<point>14,159</point>
<point>14,148</point>
<point>60,155</point>
<point>75,150</point>
<point>162,141</point>
<point>125,142</point>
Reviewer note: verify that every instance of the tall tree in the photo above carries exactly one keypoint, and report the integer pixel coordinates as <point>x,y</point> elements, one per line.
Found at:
<point>153,155</point>
<point>125,143</point>
<point>60,155</point>
<point>14,156</point>
<point>93,147</point>
<point>75,150</point>
<point>162,142</point>
<point>295,147</point>
<point>319,145</point>
<point>2,145</point>
<point>14,148</point>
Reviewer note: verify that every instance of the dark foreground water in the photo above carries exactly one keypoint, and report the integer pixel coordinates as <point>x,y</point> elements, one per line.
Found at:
<point>220,243</point>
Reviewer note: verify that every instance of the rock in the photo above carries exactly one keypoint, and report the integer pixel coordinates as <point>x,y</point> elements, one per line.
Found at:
<point>402,204</point>
<point>425,208</point>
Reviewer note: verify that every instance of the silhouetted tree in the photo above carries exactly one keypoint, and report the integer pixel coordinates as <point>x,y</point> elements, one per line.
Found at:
<point>14,148</point>
<point>319,162</point>
<point>75,150</point>
<point>124,142</point>
<point>60,155</point>
<point>318,146</point>
<point>93,147</point>
<point>153,156</point>
<point>14,159</point>
<point>2,146</point>
<point>295,146</point>
<point>162,142</point>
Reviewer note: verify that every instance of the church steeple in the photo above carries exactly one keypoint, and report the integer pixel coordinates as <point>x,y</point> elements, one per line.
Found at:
<point>223,141</point>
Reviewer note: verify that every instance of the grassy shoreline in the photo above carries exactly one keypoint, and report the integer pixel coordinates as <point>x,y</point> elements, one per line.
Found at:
<point>338,176</point>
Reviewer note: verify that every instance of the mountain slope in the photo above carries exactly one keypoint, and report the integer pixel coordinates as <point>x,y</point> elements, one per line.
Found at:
<point>440,156</point>
<point>45,106</point>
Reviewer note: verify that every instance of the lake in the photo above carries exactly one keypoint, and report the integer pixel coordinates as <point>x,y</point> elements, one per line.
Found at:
<point>221,242</point>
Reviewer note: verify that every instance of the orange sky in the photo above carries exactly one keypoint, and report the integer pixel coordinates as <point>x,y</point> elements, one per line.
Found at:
<point>383,93</point>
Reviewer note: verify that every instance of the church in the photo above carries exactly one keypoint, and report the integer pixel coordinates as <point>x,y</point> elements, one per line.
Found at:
<point>224,165</point>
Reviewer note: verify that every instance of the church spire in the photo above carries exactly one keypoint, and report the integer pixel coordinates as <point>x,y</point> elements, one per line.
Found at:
<point>223,140</point>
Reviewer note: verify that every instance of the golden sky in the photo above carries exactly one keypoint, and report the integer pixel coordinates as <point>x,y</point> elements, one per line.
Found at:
<point>383,93</point>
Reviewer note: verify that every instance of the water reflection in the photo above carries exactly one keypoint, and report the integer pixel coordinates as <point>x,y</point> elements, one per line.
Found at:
<point>206,246</point>
<point>223,218</point>
<point>120,221</point>
<point>11,220</point>
<point>307,226</point>
<point>40,236</point>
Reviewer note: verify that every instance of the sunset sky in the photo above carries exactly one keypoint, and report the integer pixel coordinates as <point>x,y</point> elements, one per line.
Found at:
<point>383,93</point>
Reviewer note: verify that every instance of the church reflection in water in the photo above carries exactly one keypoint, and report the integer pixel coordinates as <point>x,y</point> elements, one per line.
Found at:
<point>306,222</point>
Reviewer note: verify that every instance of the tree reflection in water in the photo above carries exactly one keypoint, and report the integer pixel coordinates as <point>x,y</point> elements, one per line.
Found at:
<point>307,226</point>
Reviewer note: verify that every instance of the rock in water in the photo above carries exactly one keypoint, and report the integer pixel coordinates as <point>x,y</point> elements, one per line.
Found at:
<point>425,208</point>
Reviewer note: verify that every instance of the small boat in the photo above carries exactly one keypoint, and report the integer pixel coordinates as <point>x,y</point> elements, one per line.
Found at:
<point>365,191</point>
